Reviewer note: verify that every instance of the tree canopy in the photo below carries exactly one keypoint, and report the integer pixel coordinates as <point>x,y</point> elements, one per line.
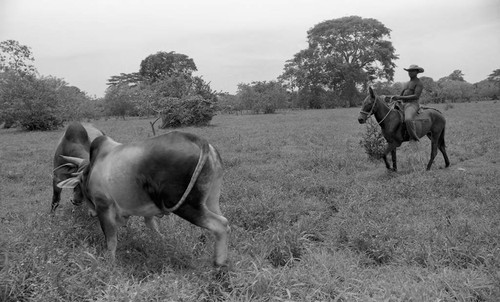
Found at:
<point>342,54</point>
<point>166,64</point>
<point>164,85</point>
<point>17,58</point>
<point>36,102</point>
<point>495,76</point>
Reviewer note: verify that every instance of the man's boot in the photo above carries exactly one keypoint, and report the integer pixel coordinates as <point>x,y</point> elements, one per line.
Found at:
<point>410,127</point>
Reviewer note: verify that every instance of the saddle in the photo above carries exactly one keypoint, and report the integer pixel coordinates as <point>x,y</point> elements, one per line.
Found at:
<point>422,122</point>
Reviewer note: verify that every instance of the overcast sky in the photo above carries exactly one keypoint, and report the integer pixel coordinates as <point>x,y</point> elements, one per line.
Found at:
<point>85,42</point>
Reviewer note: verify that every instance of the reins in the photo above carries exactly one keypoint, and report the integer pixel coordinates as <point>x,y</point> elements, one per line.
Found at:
<point>370,113</point>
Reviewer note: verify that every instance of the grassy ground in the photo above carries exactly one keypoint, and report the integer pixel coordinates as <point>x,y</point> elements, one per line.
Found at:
<point>312,218</point>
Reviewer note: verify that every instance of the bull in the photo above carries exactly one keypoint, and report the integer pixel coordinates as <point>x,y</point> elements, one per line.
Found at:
<point>74,143</point>
<point>176,173</point>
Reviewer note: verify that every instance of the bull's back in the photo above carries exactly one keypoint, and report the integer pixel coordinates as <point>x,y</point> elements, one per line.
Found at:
<point>152,172</point>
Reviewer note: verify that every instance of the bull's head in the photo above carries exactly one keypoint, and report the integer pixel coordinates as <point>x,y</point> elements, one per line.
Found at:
<point>74,167</point>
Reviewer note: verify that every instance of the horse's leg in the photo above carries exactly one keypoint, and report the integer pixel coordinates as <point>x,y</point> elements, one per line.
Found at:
<point>394,160</point>
<point>391,148</point>
<point>387,165</point>
<point>442,148</point>
<point>434,146</point>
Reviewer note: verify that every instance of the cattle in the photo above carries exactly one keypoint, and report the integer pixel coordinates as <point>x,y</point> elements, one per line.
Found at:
<point>74,143</point>
<point>176,172</point>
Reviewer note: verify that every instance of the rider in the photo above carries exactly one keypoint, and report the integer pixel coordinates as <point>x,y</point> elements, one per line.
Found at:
<point>410,95</point>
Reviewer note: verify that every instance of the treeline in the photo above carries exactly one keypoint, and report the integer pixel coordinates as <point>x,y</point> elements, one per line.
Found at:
<point>343,57</point>
<point>164,86</point>
<point>37,102</point>
<point>267,97</point>
<point>452,88</point>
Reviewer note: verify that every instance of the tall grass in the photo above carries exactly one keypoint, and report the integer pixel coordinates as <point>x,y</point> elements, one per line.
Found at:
<point>312,219</point>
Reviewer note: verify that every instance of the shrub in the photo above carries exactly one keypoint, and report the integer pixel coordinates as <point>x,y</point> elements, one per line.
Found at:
<point>373,141</point>
<point>118,101</point>
<point>188,111</point>
<point>31,102</point>
<point>44,119</point>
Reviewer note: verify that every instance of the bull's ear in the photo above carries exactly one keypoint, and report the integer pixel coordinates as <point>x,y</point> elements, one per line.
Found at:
<point>372,93</point>
<point>69,183</point>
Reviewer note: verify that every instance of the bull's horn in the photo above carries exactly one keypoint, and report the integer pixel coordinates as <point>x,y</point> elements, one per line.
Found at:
<point>62,166</point>
<point>75,160</point>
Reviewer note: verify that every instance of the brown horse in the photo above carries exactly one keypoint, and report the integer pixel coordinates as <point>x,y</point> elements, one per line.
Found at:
<point>428,122</point>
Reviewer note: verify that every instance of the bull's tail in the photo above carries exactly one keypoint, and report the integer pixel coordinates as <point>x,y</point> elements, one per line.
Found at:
<point>204,152</point>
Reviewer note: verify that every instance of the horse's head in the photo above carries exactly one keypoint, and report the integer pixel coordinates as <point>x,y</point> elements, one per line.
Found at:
<point>367,107</point>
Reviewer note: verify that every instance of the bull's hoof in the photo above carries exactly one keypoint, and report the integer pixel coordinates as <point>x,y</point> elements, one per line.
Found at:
<point>222,275</point>
<point>53,208</point>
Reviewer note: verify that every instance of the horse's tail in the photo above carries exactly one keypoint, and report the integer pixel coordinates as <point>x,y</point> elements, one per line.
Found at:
<point>441,139</point>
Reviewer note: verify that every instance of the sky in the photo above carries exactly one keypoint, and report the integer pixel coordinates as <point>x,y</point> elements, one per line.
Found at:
<point>85,42</point>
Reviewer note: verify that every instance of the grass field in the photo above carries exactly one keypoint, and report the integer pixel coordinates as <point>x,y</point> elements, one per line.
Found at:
<point>312,219</point>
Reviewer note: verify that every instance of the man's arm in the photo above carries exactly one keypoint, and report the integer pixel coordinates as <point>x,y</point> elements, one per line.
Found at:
<point>419,87</point>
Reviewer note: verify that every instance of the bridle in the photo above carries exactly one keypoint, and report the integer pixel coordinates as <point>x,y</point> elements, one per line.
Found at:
<point>370,113</point>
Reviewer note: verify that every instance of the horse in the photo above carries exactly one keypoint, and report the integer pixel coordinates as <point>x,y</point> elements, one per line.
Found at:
<point>429,122</point>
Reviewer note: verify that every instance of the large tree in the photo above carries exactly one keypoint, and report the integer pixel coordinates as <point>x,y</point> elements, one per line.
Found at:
<point>343,54</point>
<point>17,58</point>
<point>164,85</point>
<point>166,64</point>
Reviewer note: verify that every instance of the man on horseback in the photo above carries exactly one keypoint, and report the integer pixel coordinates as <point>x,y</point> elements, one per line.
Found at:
<point>410,95</point>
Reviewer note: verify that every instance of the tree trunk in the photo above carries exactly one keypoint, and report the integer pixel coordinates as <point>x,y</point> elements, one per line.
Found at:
<point>349,93</point>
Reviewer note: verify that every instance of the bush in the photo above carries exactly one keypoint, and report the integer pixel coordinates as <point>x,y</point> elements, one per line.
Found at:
<point>262,97</point>
<point>188,111</point>
<point>44,119</point>
<point>31,102</point>
<point>373,141</point>
<point>118,101</point>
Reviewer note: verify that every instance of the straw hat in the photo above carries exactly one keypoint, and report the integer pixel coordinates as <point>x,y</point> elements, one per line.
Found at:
<point>414,67</point>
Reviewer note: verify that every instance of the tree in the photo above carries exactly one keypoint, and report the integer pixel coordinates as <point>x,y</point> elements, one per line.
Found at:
<point>495,76</point>
<point>131,79</point>
<point>494,79</point>
<point>263,97</point>
<point>343,54</point>
<point>430,92</point>
<point>119,100</point>
<point>16,58</point>
<point>76,104</point>
<point>455,91</point>
<point>164,85</point>
<point>456,75</point>
<point>487,89</point>
<point>30,101</point>
<point>166,64</point>
<point>228,103</point>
